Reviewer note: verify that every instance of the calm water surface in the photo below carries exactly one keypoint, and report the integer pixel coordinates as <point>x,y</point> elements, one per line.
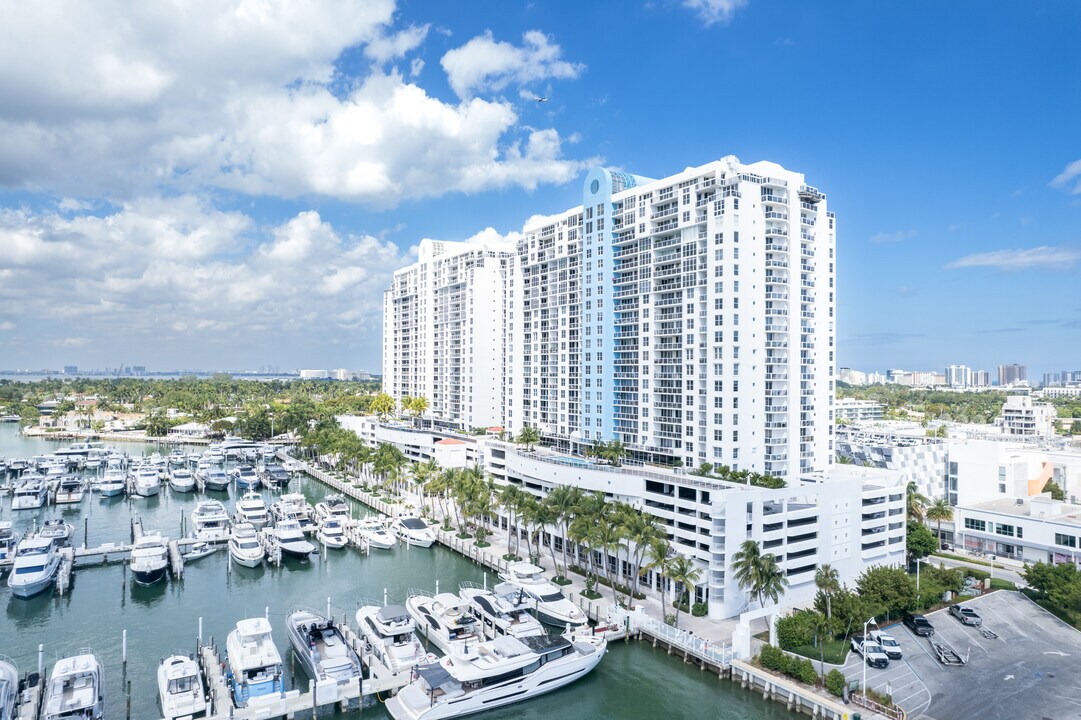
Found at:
<point>633,682</point>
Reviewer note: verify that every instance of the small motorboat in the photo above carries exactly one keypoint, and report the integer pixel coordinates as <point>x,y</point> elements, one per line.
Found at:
<point>274,475</point>
<point>181,480</point>
<point>58,531</point>
<point>76,690</point>
<point>321,647</point>
<point>113,482</point>
<point>244,546</point>
<point>376,533</point>
<point>332,534</point>
<point>180,687</point>
<point>199,550</point>
<point>71,490</point>
<point>214,478</point>
<point>149,559</point>
<point>413,531</point>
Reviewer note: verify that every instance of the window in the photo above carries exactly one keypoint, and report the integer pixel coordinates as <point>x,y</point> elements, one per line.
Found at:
<point>1001,529</point>
<point>972,524</point>
<point>1065,540</point>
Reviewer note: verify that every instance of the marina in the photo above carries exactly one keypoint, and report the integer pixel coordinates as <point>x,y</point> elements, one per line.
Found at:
<point>117,616</point>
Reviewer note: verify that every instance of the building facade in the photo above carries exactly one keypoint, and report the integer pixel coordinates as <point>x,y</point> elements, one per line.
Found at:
<point>1011,374</point>
<point>1021,416</point>
<point>851,410</point>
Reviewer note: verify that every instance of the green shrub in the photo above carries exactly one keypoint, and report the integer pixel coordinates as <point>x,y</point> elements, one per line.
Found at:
<point>796,629</point>
<point>802,669</point>
<point>835,682</point>
<point>806,672</point>
<point>771,658</point>
<point>699,609</point>
<point>978,574</point>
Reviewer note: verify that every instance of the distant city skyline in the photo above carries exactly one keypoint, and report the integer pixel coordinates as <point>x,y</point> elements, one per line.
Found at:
<point>185,206</point>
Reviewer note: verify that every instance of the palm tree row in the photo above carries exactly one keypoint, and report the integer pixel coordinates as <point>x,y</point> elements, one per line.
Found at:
<point>744,477</point>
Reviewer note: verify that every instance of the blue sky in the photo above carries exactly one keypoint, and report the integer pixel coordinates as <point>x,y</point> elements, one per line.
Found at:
<point>232,186</point>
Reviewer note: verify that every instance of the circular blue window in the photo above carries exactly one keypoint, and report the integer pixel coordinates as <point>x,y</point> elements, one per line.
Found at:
<point>595,186</point>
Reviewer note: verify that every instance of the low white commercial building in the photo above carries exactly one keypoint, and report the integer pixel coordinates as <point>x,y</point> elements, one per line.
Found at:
<point>851,410</point>
<point>1036,529</point>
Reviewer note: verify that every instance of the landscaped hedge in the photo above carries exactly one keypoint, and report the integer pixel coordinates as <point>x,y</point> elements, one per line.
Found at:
<point>835,682</point>
<point>796,629</point>
<point>802,669</point>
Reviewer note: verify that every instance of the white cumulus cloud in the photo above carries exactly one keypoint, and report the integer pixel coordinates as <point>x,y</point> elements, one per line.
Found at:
<point>486,64</point>
<point>1021,259</point>
<point>712,12</point>
<point>398,44</point>
<point>1070,178</point>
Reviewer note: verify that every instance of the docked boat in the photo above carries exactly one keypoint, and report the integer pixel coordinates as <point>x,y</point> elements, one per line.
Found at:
<point>332,534</point>
<point>496,673</point>
<point>293,506</point>
<point>502,610</point>
<point>76,690</point>
<point>113,481</point>
<point>445,620</point>
<point>252,509</point>
<point>413,531</point>
<point>321,647</point>
<point>291,539</point>
<point>333,507</point>
<point>149,559</point>
<point>30,494</point>
<point>18,465</point>
<point>58,531</point>
<point>78,450</point>
<point>376,533</point>
<point>9,539</point>
<point>199,550</point>
<point>274,475</point>
<point>177,458</point>
<point>9,689</point>
<point>180,688</point>
<point>245,478</point>
<point>551,606</point>
<point>145,481</point>
<point>71,490</point>
<point>181,480</point>
<point>214,478</point>
<point>36,564</point>
<point>390,632</point>
<point>255,667</point>
<point>244,546</point>
<point>209,521</point>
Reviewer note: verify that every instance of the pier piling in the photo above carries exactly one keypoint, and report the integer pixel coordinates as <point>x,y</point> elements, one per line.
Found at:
<point>124,646</point>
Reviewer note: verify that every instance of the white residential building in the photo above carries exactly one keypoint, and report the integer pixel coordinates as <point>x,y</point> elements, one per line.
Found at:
<point>852,410</point>
<point>959,376</point>
<point>691,318</point>
<point>311,374</point>
<point>1021,416</point>
<point>444,332</point>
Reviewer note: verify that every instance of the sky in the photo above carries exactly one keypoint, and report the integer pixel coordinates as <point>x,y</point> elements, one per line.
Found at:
<point>227,185</point>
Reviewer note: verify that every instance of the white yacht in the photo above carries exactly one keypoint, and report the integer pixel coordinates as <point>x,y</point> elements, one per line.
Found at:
<point>180,688</point>
<point>244,546</point>
<point>145,481</point>
<point>30,494</point>
<point>76,690</point>
<point>413,531</point>
<point>77,450</point>
<point>496,673</point>
<point>177,458</point>
<point>149,559</point>
<point>9,539</point>
<point>181,480</point>
<point>58,531</point>
<point>36,563</point>
<point>502,610</point>
<point>293,506</point>
<point>320,646</point>
<point>274,475</point>
<point>332,534</point>
<point>551,605</point>
<point>113,481</point>
<point>9,689</point>
<point>255,667</point>
<point>209,521</point>
<point>445,620</point>
<point>252,509</point>
<point>291,539</point>
<point>71,490</point>
<point>375,532</point>
<point>333,507</point>
<point>390,632</point>
<point>245,478</point>
<point>214,478</point>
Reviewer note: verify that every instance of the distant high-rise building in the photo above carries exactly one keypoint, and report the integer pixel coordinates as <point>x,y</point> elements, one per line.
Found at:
<point>959,376</point>
<point>1011,374</point>
<point>313,374</point>
<point>71,369</point>
<point>981,378</point>
<point>138,370</point>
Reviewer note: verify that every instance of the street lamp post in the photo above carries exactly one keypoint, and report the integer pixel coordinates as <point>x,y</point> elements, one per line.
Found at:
<point>992,567</point>
<point>872,620</point>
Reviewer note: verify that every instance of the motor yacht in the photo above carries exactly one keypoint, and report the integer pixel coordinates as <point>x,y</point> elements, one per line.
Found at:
<point>413,531</point>
<point>321,647</point>
<point>332,534</point>
<point>181,480</point>
<point>445,621</point>
<point>293,506</point>
<point>71,490</point>
<point>177,458</point>
<point>9,689</point>
<point>502,610</point>
<point>18,465</point>
<point>76,689</point>
<point>245,478</point>
<point>145,481</point>
<point>333,507</point>
<point>376,533</point>
<point>37,561</point>
<point>244,546</point>
<point>291,539</point>
<point>214,478</point>
<point>209,521</point>
<point>390,632</point>
<point>9,539</point>
<point>180,688</point>
<point>496,673</point>
<point>550,604</point>
<point>149,559</point>
<point>252,509</point>
<point>274,475</point>
<point>255,667</point>
<point>113,481</point>
<point>58,531</point>
<point>30,494</point>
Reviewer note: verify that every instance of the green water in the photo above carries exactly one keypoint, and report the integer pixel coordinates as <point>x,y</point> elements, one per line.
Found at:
<point>634,681</point>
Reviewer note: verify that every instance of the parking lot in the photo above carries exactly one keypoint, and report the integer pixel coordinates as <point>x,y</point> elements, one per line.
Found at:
<point>1031,670</point>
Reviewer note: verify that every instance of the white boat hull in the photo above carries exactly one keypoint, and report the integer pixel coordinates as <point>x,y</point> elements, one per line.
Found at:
<point>250,561</point>
<point>28,588</point>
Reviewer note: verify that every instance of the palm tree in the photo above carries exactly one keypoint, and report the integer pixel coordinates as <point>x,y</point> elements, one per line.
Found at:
<point>616,451</point>
<point>916,502</point>
<point>771,581</point>
<point>747,566</point>
<point>660,561</point>
<point>510,497</point>
<point>564,501</point>
<point>684,574</point>
<point>528,437</point>
<point>609,539</point>
<point>641,531</point>
<point>382,405</point>
<point>581,533</point>
<point>827,580</point>
<point>940,510</point>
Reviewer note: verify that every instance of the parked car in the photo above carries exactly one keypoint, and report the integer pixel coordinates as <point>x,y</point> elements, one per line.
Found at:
<point>889,646</point>
<point>871,651</point>
<point>918,624</point>
<point>966,615</point>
